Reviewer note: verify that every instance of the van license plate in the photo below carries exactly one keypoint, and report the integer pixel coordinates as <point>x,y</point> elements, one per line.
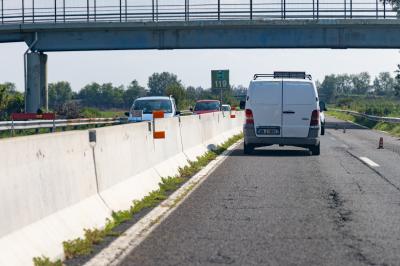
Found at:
<point>268,131</point>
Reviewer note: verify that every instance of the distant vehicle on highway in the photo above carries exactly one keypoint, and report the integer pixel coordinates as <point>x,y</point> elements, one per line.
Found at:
<point>282,108</point>
<point>226,107</point>
<point>207,106</point>
<point>142,108</point>
<point>322,109</point>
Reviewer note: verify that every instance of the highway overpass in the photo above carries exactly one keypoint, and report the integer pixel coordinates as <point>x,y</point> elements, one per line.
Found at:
<point>54,26</point>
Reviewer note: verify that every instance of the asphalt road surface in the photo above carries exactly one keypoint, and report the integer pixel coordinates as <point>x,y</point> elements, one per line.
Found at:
<point>281,206</point>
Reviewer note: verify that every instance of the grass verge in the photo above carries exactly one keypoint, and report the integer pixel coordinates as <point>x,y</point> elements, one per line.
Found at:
<point>84,245</point>
<point>391,128</point>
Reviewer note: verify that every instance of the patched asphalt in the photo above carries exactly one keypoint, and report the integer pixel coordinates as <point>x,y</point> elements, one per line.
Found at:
<point>281,206</point>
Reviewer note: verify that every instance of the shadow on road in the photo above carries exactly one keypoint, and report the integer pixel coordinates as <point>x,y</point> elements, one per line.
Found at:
<point>341,125</point>
<point>262,152</point>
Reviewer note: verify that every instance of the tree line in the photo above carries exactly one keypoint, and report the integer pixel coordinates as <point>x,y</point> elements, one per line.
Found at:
<point>335,86</point>
<point>67,102</point>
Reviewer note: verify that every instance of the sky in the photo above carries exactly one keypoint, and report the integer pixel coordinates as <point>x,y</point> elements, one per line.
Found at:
<point>193,67</point>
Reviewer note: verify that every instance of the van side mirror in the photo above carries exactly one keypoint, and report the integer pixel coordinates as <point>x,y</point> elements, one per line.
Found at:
<point>178,113</point>
<point>242,105</point>
<point>127,114</point>
<point>191,109</point>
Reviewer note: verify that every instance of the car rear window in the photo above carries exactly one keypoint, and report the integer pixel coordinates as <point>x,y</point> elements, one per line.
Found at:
<point>206,106</point>
<point>148,106</point>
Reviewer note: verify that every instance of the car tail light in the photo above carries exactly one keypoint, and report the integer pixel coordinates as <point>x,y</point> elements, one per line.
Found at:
<point>314,118</point>
<point>249,117</point>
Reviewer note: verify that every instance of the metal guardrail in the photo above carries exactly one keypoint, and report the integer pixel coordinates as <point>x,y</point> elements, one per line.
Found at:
<point>370,117</point>
<point>63,11</point>
<point>53,124</point>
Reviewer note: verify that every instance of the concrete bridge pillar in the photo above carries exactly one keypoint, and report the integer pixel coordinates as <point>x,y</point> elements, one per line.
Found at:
<point>36,95</point>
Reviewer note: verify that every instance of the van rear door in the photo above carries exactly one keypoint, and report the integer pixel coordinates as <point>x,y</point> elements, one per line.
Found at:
<point>299,100</point>
<point>266,103</point>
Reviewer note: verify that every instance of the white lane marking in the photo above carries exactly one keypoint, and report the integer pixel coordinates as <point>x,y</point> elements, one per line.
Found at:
<point>369,162</point>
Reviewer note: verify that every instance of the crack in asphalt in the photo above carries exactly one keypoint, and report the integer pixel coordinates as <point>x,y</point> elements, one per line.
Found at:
<point>341,218</point>
<point>376,171</point>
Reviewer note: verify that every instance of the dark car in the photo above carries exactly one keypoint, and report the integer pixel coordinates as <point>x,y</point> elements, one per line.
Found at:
<point>207,106</point>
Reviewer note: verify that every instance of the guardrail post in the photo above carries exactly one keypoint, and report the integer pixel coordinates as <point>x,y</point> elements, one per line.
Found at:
<point>12,127</point>
<point>317,9</point>
<point>251,9</point>
<point>345,8</point>
<point>376,8</point>
<point>64,10</point>
<point>55,11</point>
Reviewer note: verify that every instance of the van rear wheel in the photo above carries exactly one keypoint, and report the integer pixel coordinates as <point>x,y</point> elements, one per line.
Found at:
<point>248,149</point>
<point>323,130</point>
<point>315,150</point>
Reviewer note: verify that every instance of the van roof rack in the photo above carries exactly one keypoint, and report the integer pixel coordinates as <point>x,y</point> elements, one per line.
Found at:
<point>285,74</point>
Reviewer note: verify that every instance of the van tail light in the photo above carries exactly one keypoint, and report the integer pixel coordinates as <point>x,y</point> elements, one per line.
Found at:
<point>314,118</point>
<point>249,116</point>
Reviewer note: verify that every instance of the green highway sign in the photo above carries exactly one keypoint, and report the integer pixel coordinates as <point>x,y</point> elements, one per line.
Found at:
<point>220,79</point>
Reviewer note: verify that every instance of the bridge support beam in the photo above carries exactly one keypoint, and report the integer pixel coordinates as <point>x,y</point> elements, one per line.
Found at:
<point>36,93</point>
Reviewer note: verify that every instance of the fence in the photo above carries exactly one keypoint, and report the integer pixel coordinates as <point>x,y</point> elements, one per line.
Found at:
<point>63,11</point>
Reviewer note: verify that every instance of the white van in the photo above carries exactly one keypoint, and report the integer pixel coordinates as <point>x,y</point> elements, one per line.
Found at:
<point>282,108</point>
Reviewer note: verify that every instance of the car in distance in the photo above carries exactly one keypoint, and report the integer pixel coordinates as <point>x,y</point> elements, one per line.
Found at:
<point>207,106</point>
<point>142,108</point>
<point>226,108</point>
<point>282,108</point>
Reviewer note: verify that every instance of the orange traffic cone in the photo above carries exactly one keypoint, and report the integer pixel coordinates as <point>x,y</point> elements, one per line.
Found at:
<point>380,143</point>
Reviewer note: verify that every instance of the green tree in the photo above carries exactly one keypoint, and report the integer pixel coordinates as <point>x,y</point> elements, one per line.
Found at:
<point>133,92</point>
<point>10,100</point>
<point>59,93</point>
<point>159,82</point>
<point>361,83</point>
<point>328,88</point>
<point>384,84</point>
<point>344,84</point>
<point>179,94</point>
<point>90,95</point>
<point>397,81</point>
<point>395,5</point>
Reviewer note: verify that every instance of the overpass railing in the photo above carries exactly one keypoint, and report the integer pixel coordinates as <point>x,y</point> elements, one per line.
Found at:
<point>65,11</point>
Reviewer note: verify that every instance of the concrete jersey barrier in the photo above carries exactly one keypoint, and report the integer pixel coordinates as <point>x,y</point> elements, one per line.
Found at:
<point>48,194</point>
<point>54,186</point>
